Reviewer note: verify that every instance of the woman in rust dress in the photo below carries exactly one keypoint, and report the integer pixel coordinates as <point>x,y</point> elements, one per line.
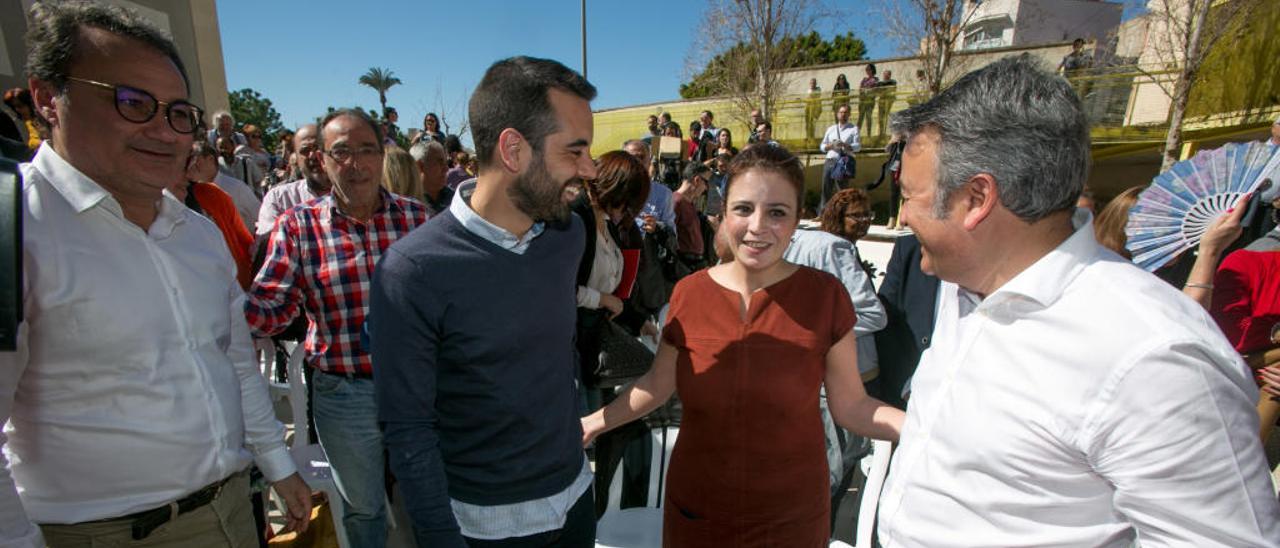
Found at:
<point>747,345</point>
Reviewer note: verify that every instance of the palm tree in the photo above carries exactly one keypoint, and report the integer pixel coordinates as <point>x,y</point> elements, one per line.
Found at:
<point>381,80</point>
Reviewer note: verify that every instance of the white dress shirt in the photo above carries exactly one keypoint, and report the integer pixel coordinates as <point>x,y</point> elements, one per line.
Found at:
<point>247,203</point>
<point>136,382</point>
<point>847,133</point>
<point>1082,403</point>
<point>279,199</point>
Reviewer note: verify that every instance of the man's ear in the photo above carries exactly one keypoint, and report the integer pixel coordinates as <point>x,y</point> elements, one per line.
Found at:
<point>980,195</point>
<point>513,150</point>
<point>43,94</point>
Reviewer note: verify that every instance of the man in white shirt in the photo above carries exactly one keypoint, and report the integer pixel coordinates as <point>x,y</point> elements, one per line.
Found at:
<point>840,139</point>
<point>134,402</point>
<point>1068,398</point>
<point>313,184</point>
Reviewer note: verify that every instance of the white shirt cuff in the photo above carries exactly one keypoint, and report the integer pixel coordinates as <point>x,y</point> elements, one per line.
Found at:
<point>276,464</point>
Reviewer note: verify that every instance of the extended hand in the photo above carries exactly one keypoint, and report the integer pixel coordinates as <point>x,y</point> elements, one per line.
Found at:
<point>297,500</point>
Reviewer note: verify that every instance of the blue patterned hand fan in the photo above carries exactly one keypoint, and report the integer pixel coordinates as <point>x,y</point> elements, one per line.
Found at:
<point>1174,211</point>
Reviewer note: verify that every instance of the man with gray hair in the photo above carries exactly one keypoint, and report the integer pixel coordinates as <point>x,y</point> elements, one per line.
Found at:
<point>429,156</point>
<point>1069,398</point>
<point>224,125</point>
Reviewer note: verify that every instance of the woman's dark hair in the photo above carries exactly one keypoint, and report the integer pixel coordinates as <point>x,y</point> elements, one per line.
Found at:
<point>725,131</point>
<point>832,220</point>
<point>841,82</point>
<point>621,182</point>
<point>871,67</point>
<point>19,97</point>
<point>768,158</point>
<point>433,116</point>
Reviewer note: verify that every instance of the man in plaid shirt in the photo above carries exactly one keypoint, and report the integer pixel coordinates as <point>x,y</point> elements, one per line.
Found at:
<point>320,259</point>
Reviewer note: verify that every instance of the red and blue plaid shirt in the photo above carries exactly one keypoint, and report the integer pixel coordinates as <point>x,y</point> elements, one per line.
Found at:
<point>321,261</point>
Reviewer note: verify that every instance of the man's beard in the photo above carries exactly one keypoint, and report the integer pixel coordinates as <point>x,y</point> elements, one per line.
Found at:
<point>539,196</point>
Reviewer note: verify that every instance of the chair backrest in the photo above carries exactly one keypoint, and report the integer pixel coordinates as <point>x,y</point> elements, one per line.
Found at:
<point>663,442</point>
<point>298,398</point>
<point>880,453</point>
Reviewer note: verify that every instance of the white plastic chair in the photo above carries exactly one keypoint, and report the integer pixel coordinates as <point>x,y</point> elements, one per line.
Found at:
<point>309,456</point>
<point>639,527</point>
<point>876,467</point>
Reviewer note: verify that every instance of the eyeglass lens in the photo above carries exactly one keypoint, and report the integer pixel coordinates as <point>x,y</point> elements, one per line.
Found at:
<point>139,106</point>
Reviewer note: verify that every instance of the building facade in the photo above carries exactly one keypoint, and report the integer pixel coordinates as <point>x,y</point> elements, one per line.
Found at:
<point>193,24</point>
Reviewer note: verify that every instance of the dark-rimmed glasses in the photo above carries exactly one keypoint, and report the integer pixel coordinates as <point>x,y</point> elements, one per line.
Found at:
<point>343,155</point>
<point>140,107</point>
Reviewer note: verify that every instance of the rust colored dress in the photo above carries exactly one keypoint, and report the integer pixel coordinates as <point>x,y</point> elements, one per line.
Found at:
<point>750,467</point>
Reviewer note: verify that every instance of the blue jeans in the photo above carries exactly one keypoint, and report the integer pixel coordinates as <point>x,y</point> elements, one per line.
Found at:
<point>347,424</point>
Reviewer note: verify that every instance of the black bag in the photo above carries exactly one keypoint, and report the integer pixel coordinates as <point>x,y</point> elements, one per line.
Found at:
<point>623,358</point>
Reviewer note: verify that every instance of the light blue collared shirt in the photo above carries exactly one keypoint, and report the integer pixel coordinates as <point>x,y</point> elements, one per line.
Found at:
<point>475,224</point>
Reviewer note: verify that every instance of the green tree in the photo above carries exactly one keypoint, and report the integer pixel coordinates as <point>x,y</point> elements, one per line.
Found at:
<point>250,107</point>
<point>806,50</point>
<point>381,80</point>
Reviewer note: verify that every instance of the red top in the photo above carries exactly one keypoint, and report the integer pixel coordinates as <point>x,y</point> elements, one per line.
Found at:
<point>222,211</point>
<point>1246,298</point>
<point>750,467</point>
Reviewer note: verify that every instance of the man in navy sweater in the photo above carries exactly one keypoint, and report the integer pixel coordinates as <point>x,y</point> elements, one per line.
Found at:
<point>472,326</point>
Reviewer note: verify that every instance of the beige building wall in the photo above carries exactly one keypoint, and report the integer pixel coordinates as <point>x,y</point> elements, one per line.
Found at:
<point>193,24</point>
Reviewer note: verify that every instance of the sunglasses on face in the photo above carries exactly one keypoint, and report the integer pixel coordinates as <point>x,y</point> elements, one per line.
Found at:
<point>139,107</point>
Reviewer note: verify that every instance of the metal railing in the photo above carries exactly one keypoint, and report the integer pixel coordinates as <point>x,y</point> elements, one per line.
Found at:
<point>1125,104</point>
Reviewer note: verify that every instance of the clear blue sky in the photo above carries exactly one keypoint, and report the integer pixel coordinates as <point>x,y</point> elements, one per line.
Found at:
<point>308,55</point>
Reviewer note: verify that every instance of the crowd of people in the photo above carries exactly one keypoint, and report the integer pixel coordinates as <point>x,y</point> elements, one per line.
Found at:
<point>470,323</point>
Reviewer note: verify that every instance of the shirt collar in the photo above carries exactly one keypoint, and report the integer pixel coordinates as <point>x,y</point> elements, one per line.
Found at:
<point>460,207</point>
<point>83,193</point>
<point>75,187</point>
<point>1045,280</point>
<point>329,204</point>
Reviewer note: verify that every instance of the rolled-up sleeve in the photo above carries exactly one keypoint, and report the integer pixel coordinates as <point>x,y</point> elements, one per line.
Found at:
<point>404,333</point>
<point>1176,432</point>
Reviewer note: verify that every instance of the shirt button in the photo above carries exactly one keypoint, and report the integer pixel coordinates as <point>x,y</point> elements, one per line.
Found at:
<point>924,340</point>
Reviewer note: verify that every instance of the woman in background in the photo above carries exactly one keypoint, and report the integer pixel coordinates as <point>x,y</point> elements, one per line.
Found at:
<point>207,199</point>
<point>400,174</point>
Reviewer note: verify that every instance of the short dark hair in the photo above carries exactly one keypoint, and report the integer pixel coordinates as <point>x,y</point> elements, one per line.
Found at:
<point>695,169</point>
<point>709,114</point>
<point>766,125</point>
<point>776,159</point>
<point>53,36</point>
<point>514,94</point>
<point>354,113</point>
<point>387,111</point>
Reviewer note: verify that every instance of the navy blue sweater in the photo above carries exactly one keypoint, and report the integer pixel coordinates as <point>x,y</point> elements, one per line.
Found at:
<point>474,353</point>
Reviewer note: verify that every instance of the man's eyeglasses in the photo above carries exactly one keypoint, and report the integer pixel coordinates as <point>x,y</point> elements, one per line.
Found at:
<point>343,155</point>
<point>140,107</point>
